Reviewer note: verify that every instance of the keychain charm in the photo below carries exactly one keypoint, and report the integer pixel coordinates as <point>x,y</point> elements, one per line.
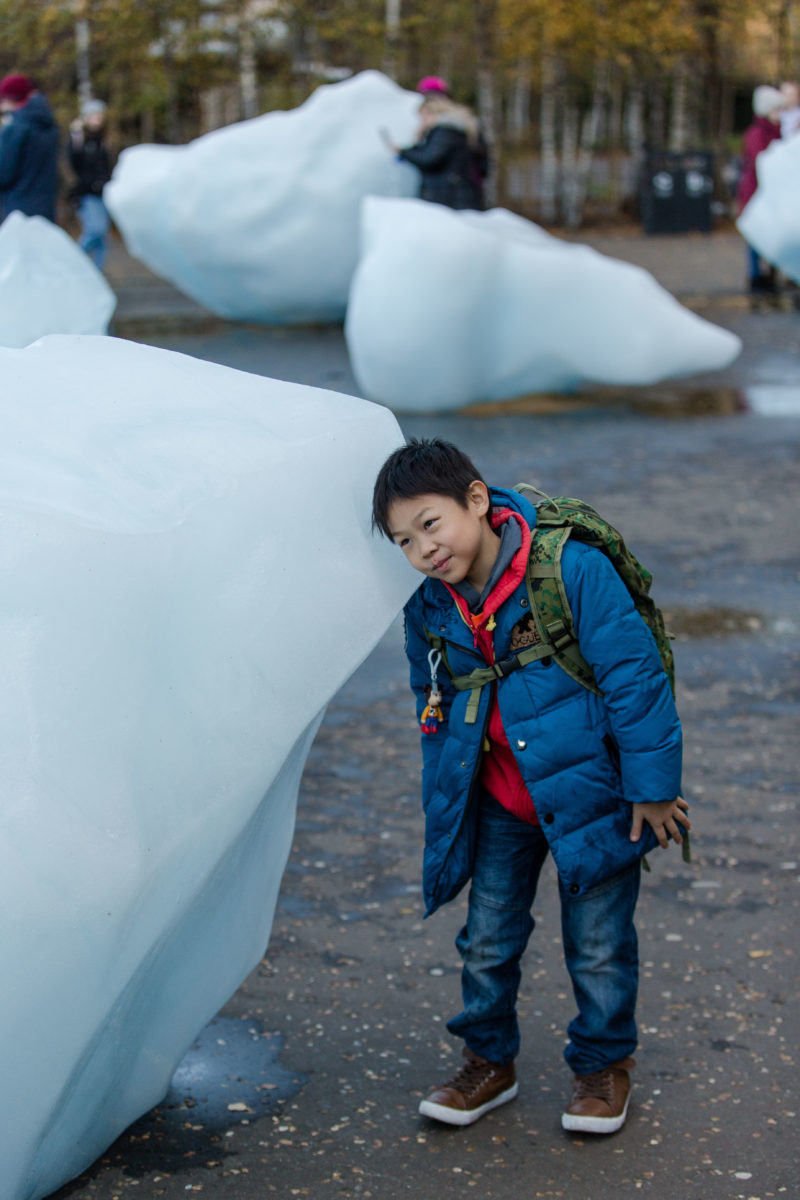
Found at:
<point>432,712</point>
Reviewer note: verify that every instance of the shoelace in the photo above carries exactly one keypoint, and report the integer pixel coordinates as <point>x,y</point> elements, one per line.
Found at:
<point>597,1086</point>
<point>471,1076</point>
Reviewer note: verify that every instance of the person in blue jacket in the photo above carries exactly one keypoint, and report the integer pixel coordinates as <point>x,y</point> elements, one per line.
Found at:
<point>28,150</point>
<point>545,766</point>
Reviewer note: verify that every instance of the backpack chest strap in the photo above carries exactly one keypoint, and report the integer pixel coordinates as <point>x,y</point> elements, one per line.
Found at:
<point>481,676</point>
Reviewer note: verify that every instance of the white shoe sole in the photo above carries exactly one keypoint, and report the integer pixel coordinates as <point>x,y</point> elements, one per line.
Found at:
<point>457,1116</point>
<point>577,1124</point>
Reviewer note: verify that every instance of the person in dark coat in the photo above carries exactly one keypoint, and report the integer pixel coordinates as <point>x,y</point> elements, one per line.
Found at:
<point>28,151</point>
<point>450,152</point>
<point>90,159</point>
<point>762,132</point>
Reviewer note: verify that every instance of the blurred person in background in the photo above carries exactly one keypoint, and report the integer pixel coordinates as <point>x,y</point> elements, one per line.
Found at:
<point>450,152</point>
<point>28,150</point>
<point>90,160</point>
<point>765,128</point>
<point>790,115</point>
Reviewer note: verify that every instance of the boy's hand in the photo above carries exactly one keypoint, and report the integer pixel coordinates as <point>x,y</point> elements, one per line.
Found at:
<point>664,817</point>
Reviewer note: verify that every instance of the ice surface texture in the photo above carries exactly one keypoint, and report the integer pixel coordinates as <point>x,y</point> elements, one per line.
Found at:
<point>770,222</point>
<point>47,284</point>
<point>188,575</point>
<point>447,308</point>
<point>259,221</point>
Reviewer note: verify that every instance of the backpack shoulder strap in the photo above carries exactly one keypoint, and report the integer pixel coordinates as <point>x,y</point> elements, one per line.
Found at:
<point>547,596</point>
<point>550,606</point>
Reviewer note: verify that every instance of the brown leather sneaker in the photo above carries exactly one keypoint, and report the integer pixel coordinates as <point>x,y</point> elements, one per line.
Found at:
<point>479,1086</point>
<point>599,1101</point>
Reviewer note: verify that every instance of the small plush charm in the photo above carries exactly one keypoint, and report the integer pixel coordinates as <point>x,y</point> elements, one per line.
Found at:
<point>432,712</point>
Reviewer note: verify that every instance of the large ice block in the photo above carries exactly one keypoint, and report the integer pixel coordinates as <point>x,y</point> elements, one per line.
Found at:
<point>187,575</point>
<point>770,221</point>
<point>447,308</point>
<point>259,221</point>
<point>47,284</point>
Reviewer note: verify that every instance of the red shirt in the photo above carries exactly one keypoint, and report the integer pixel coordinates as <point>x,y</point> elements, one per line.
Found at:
<point>500,775</point>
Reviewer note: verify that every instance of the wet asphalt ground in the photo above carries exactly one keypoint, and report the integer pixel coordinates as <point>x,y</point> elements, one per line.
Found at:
<point>308,1081</point>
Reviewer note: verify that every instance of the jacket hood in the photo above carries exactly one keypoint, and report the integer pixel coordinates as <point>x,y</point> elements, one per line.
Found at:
<point>445,112</point>
<point>36,112</point>
<point>507,498</point>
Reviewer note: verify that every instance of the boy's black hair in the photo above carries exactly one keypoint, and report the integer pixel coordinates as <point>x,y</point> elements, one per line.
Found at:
<point>424,466</point>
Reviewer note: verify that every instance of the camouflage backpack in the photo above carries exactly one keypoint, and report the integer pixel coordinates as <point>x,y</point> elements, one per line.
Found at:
<point>558,519</point>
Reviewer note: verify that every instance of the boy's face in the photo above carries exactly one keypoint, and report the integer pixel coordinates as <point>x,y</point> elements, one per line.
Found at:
<point>444,540</point>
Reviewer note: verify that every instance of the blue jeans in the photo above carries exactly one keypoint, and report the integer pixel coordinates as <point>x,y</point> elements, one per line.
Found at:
<point>94,229</point>
<point>600,948</point>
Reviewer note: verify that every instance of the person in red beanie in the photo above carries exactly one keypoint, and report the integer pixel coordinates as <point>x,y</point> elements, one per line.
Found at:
<point>28,150</point>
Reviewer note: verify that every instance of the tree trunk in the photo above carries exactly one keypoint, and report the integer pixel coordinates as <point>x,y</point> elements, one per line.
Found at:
<point>173,124</point>
<point>485,25</point>
<point>147,126</point>
<point>794,40</point>
<point>581,158</point>
<point>679,113</point>
<point>210,109</point>
<point>636,140</point>
<point>392,37</point>
<point>785,55</point>
<point>590,135</point>
<point>248,79</point>
<point>82,64</point>
<point>634,119</point>
<point>569,162</point>
<point>657,115</point>
<point>616,114</point>
<point>548,193</point>
<point>172,119</point>
<point>518,120</point>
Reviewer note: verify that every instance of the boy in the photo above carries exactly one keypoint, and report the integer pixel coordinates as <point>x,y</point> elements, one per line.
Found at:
<point>529,763</point>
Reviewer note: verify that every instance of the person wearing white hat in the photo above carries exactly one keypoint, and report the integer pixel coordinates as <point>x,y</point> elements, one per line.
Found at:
<point>790,115</point>
<point>764,129</point>
<point>90,159</point>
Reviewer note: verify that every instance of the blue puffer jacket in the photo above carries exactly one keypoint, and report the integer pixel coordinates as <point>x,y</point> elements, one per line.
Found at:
<point>584,758</point>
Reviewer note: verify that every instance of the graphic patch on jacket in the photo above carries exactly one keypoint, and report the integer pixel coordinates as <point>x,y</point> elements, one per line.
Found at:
<point>524,634</point>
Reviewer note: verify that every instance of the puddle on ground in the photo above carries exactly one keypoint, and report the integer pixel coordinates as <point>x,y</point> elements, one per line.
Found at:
<point>686,623</point>
<point>765,400</point>
<point>774,399</point>
<point>231,1075</point>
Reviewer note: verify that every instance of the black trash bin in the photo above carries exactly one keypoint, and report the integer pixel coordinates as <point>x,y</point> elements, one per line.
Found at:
<point>676,192</point>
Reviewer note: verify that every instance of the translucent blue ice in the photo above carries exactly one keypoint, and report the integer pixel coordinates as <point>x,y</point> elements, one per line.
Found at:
<point>47,284</point>
<point>259,221</point>
<point>771,220</point>
<point>187,576</point>
<point>447,308</point>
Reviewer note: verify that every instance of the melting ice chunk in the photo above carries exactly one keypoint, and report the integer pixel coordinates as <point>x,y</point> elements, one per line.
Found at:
<point>259,221</point>
<point>187,576</point>
<point>447,308</point>
<point>47,284</point>
<point>771,221</point>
